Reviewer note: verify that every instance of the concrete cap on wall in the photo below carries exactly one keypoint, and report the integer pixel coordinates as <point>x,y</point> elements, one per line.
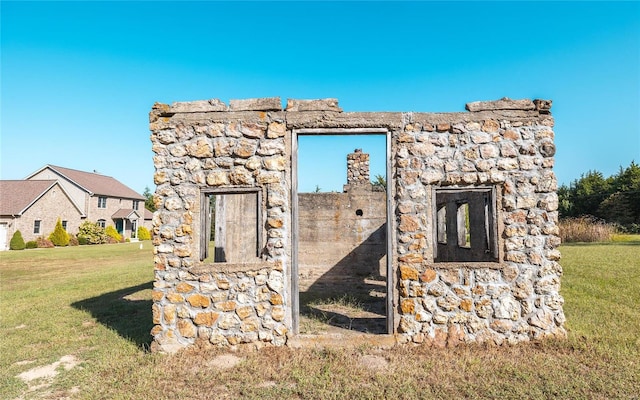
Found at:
<point>198,106</point>
<point>260,104</point>
<point>313,105</point>
<point>504,103</point>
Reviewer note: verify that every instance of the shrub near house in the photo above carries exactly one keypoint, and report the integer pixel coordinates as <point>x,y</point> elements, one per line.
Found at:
<point>59,237</point>
<point>112,233</point>
<point>143,233</point>
<point>91,233</point>
<point>17,242</point>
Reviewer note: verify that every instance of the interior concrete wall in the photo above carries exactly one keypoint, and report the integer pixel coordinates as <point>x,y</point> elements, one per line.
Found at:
<point>336,244</point>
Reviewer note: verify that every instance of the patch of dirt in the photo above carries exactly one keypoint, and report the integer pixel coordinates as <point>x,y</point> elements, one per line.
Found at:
<point>39,379</point>
<point>225,361</point>
<point>373,362</point>
<point>266,384</point>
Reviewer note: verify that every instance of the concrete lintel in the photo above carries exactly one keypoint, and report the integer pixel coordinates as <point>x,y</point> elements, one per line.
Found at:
<point>340,131</point>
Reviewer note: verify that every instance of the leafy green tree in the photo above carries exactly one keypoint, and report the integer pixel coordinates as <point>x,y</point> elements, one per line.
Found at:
<point>148,203</point>
<point>380,181</point>
<point>17,242</point>
<point>588,192</point>
<point>565,201</point>
<point>59,236</point>
<point>615,199</point>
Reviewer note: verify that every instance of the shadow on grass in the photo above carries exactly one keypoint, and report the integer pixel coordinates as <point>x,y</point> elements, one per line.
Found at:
<point>345,318</point>
<point>126,311</point>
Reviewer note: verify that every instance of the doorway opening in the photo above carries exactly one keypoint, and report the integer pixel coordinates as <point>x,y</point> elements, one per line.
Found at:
<point>341,280</point>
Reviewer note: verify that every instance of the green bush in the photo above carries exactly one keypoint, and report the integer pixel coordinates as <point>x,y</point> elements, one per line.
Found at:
<point>17,242</point>
<point>91,233</point>
<point>59,237</point>
<point>113,233</point>
<point>82,240</point>
<point>143,233</point>
<point>32,244</point>
<point>44,243</point>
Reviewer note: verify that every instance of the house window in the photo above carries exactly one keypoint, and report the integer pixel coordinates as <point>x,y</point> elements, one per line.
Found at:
<point>465,225</point>
<point>102,202</point>
<point>36,226</point>
<point>64,225</point>
<point>231,226</point>
<point>135,204</point>
<point>134,229</point>
<point>102,223</point>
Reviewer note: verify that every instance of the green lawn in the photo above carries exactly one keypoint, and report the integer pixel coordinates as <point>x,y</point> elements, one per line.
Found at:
<point>93,303</point>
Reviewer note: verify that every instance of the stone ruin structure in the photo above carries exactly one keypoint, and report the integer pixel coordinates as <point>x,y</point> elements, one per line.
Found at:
<point>470,231</point>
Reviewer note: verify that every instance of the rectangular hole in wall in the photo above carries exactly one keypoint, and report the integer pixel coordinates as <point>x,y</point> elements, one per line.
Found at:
<point>465,225</point>
<point>231,227</point>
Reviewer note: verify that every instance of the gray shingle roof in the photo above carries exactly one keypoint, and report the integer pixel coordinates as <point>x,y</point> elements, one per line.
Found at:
<point>16,196</point>
<point>96,183</point>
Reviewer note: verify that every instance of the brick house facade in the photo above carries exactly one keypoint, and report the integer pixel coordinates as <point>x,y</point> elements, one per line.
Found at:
<point>74,196</point>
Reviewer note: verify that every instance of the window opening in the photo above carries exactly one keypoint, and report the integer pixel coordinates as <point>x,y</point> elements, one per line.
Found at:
<point>36,226</point>
<point>135,204</point>
<point>465,225</point>
<point>64,225</point>
<point>102,223</point>
<point>231,226</point>
<point>102,202</point>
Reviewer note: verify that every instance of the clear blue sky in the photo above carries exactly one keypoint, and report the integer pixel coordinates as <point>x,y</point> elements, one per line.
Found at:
<point>79,78</point>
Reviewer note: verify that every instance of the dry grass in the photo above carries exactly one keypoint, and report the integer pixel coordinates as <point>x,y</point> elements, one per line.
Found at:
<point>585,229</point>
<point>94,305</point>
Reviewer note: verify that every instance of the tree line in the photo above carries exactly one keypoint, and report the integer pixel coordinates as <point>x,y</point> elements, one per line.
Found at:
<point>615,199</point>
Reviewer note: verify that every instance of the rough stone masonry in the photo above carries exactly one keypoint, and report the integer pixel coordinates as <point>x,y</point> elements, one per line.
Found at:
<point>474,230</point>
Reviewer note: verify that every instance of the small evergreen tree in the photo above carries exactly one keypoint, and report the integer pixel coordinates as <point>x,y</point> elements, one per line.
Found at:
<point>113,233</point>
<point>17,242</point>
<point>59,236</point>
<point>143,233</point>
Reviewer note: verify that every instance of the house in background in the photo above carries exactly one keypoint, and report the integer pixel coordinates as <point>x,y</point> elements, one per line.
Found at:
<point>87,196</point>
<point>33,208</point>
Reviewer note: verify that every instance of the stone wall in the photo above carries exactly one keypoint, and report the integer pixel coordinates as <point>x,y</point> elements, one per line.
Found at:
<point>197,147</point>
<point>505,146</point>
<point>514,299</point>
